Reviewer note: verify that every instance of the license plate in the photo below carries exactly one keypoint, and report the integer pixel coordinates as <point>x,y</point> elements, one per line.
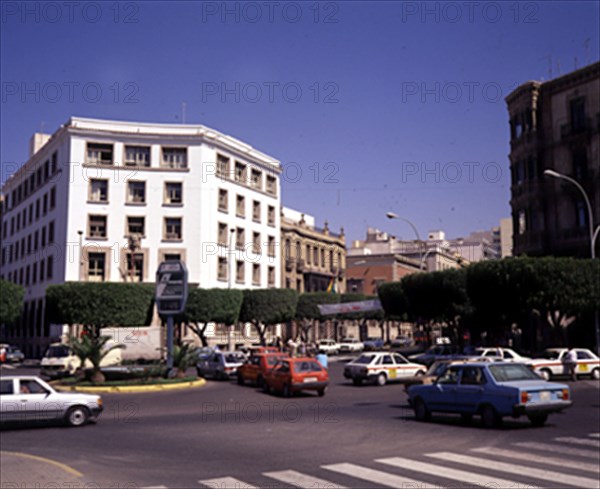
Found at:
<point>583,367</point>
<point>309,379</point>
<point>545,396</point>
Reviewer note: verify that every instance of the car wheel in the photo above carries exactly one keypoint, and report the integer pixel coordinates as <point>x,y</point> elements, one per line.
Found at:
<point>287,390</point>
<point>357,381</point>
<point>545,374</point>
<point>420,373</point>
<point>260,381</point>
<point>489,417</point>
<point>240,380</point>
<point>596,374</point>
<point>421,411</point>
<point>538,419</point>
<point>322,391</point>
<point>381,380</point>
<point>77,416</point>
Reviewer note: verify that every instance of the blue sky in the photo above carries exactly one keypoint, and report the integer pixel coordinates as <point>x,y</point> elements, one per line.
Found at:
<point>370,106</point>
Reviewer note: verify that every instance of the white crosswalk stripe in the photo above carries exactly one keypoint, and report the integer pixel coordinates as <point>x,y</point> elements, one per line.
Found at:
<point>374,476</point>
<point>542,474</point>
<point>549,447</point>
<point>579,441</point>
<point>298,479</point>
<point>226,483</point>
<point>448,473</point>
<point>545,459</point>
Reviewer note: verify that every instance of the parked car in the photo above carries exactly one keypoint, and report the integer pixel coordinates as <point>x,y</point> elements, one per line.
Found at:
<point>380,368</point>
<point>59,361</point>
<point>14,355</point>
<point>491,390</point>
<point>500,353</point>
<point>401,342</point>
<point>203,353</point>
<point>330,347</point>
<point>221,365</point>
<point>295,375</point>
<point>257,366</point>
<point>29,399</point>
<point>372,343</point>
<point>255,350</point>
<point>553,363</point>
<point>437,352</point>
<point>351,345</point>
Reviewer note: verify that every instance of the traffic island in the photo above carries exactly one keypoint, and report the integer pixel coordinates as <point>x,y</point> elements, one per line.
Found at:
<point>149,385</point>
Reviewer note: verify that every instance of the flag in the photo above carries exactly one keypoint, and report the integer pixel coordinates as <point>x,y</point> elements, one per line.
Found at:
<point>331,286</point>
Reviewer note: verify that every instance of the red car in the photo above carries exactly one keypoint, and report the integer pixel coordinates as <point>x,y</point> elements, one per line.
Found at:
<point>257,366</point>
<point>295,375</point>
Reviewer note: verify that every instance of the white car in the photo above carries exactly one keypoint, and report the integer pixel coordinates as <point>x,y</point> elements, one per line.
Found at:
<point>30,399</point>
<point>504,354</point>
<point>351,345</point>
<point>381,367</point>
<point>553,363</point>
<point>330,347</point>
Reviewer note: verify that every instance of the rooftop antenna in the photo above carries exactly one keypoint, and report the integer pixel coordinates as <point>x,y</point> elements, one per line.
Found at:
<point>183,106</point>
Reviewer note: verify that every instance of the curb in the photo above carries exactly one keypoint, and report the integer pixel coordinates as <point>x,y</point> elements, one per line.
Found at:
<point>127,389</point>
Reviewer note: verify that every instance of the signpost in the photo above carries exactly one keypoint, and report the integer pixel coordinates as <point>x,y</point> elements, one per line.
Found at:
<point>171,296</point>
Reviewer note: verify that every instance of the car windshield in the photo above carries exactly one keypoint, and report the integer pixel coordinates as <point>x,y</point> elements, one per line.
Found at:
<point>512,372</point>
<point>372,338</point>
<point>305,367</point>
<point>348,340</point>
<point>235,357</point>
<point>438,368</point>
<point>57,351</point>
<point>364,359</point>
<point>551,354</point>
<point>274,360</point>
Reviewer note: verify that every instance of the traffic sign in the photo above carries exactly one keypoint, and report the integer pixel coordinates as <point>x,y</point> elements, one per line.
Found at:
<point>171,287</point>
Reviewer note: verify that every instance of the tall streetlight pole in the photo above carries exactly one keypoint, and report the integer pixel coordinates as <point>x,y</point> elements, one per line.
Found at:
<point>230,332</point>
<point>593,234</point>
<point>392,215</point>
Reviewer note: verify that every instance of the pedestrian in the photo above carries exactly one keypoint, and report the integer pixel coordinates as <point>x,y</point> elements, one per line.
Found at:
<point>322,359</point>
<point>302,349</point>
<point>292,347</point>
<point>571,364</point>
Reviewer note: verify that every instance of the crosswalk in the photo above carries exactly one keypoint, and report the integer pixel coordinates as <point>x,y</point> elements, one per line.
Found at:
<point>522,466</point>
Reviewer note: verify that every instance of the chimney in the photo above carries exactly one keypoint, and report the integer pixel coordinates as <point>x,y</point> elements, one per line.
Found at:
<point>36,142</point>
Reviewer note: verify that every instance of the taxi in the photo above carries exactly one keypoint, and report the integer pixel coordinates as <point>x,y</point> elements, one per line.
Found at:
<point>257,366</point>
<point>381,367</point>
<point>293,375</point>
<point>553,363</point>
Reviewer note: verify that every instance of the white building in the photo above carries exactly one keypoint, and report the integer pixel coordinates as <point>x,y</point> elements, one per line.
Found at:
<point>108,201</point>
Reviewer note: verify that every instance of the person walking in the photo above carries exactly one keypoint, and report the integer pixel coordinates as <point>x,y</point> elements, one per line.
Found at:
<point>571,364</point>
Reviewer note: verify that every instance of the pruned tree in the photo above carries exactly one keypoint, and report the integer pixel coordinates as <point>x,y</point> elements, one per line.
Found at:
<point>264,308</point>
<point>307,312</point>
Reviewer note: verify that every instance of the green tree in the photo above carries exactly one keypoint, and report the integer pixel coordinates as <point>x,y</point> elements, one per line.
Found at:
<point>212,305</point>
<point>264,308</point>
<point>307,312</point>
<point>94,350</point>
<point>183,358</point>
<point>11,301</point>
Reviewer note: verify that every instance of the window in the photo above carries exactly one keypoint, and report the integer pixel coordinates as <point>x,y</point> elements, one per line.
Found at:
<point>174,157</point>
<point>135,267</point>
<point>42,270</point>
<point>173,193</point>
<point>37,209</point>
<point>256,179</point>
<point>240,271</point>
<point>223,200</point>
<point>29,244</point>
<point>522,222</point>
<point>271,246</point>
<point>316,256</point>
<point>271,185</point>
<point>52,201</point>
<point>54,162</point>
<point>137,155</point>
<point>256,274</point>
<point>581,214</point>
<point>96,267</point>
<point>256,243</point>
<point>577,115</point>
<point>308,255</point>
<point>240,206</point>
<point>222,234</point>
<point>271,277</point>
<point>222,268</point>
<point>43,239</point>
<point>240,238</point>
<point>240,172</point>
<point>45,206</point>
<point>136,192</point>
<point>98,190</point>
<point>135,225</point>
<point>36,241</point>
<point>96,226</point>
<point>222,166</point>
<point>101,154</point>
<point>256,211</point>
<point>173,228</point>
<point>172,256</point>
<point>49,267</point>
<point>31,208</point>
<point>271,215</point>
<point>51,231</point>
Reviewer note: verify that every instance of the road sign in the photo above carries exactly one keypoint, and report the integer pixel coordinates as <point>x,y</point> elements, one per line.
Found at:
<point>171,287</point>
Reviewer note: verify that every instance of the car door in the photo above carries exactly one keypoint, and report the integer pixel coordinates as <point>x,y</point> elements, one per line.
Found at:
<point>281,376</point>
<point>442,395</point>
<point>403,369</point>
<point>10,406</point>
<point>34,401</point>
<point>470,389</point>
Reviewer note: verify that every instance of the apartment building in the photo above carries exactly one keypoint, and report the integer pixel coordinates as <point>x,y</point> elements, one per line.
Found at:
<point>555,125</point>
<point>103,200</point>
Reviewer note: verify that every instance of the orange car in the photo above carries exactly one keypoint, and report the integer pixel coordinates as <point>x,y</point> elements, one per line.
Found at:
<point>257,366</point>
<point>295,375</point>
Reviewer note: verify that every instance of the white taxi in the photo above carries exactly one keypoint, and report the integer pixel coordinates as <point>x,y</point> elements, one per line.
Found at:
<point>381,367</point>
<point>553,363</point>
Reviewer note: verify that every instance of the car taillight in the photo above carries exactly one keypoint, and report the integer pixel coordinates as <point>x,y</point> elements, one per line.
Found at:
<point>525,397</point>
<point>229,369</point>
<point>564,395</point>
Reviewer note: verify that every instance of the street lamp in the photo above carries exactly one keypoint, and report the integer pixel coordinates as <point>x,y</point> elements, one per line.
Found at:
<point>231,330</point>
<point>593,234</point>
<point>80,271</point>
<point>392,215</point>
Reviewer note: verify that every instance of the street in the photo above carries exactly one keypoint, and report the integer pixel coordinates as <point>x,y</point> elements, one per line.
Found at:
<point>225,435</point>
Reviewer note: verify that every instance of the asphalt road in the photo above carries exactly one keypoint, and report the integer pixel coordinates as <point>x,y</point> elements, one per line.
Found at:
<point>176,439</point>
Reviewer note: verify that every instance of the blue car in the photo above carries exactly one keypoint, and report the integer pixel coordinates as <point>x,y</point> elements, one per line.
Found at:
<point>373,343</point>
<point>492,391</point>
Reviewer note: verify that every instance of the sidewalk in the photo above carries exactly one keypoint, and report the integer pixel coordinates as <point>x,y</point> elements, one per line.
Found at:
<point>19,470</point>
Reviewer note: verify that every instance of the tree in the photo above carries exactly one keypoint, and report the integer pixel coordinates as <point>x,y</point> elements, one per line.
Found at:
<point>11,301</point>
<point>307,312</point>
<point>94,350</point>
<point>183,357</point>
<point>264,308</point>
<point>212,305</point>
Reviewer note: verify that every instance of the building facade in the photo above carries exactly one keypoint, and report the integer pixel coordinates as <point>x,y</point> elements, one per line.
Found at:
<point>555,125</point>
<point>108,201</point>
<point>313,259</point>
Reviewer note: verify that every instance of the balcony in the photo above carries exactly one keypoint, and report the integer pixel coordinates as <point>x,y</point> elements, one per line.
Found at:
<point>571,131</point>
<point>300,265</point>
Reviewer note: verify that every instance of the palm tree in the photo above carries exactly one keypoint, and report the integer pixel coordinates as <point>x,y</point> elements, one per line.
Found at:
<point>93,349</point>
<point>184,356</point>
